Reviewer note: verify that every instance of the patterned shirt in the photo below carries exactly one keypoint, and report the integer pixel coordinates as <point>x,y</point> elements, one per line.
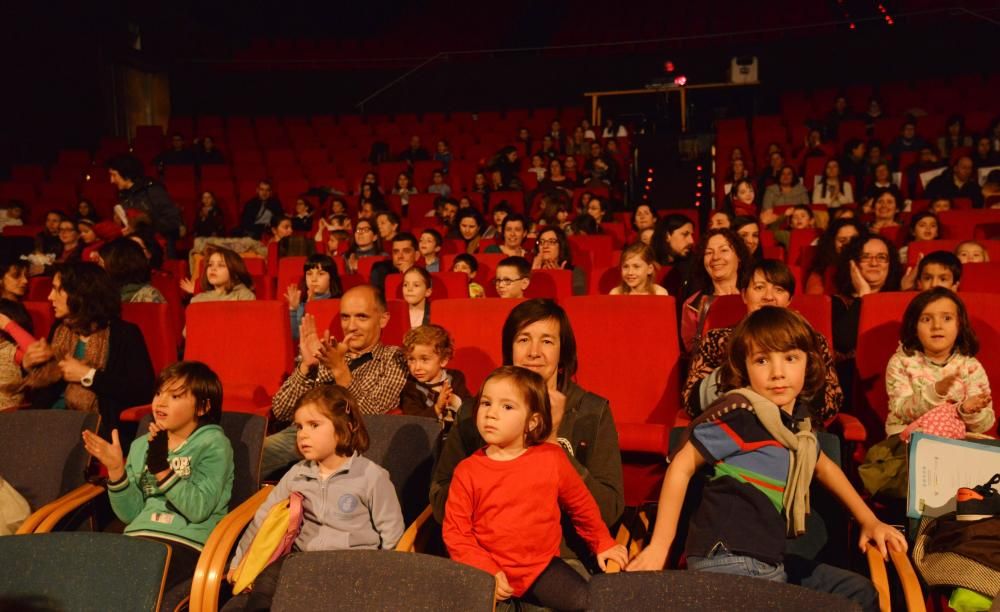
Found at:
<point>711,352</point>
<point>375,384</point>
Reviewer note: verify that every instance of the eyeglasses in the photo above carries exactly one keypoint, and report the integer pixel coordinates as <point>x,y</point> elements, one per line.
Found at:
<point>880,258</point>
<point>362,230</point>
<point>506,282</point>
<point>548,242</point>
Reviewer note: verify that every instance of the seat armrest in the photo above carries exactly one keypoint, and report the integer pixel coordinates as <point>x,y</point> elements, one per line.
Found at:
<point>413,533</point>
<point>48,516</point>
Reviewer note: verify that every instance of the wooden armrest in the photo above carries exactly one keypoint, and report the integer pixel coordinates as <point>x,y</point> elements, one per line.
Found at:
<point>408,543</point>
<point>211,568</point>
<point>879,577</point>
<point>912,592</point>
<point>48,516</point>
<point>623,537</point>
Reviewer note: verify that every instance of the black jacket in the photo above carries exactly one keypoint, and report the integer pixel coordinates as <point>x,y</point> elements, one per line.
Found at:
<point>151,198</point>
<point>249,217</point>
<point>127,379</point>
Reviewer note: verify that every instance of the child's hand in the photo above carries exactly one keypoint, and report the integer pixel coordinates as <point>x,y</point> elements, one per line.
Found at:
<point>976,403</point>
<point>941,387</point>
<point>503,590</point>
<point>294,296</point>
<point>617,553</point>
<point>651,559</point>
<point>444,398</point>
<point>187,285</point>
<point>883,536</point>
<point>108,453</point>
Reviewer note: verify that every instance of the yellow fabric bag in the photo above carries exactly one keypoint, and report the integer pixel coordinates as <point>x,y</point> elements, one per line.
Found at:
<point>274,539</point>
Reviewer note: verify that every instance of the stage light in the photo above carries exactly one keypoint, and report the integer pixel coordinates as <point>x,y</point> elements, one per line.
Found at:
<point>668,66</point>
<point>853,26</point>
<point>680,80</point>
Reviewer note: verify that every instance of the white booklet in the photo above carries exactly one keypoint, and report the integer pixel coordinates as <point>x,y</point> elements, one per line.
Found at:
<point>940,466</point>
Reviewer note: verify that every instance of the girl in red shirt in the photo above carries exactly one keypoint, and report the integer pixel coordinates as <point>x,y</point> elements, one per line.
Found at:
<point>502,514</point>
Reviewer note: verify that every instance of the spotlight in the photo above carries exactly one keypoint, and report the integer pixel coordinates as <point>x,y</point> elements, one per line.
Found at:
<point>668,66</point>
<point>680,80</point>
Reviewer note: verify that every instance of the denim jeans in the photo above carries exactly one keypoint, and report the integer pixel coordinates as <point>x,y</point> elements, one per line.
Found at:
<point>280,450</point>
<point>721,561</point>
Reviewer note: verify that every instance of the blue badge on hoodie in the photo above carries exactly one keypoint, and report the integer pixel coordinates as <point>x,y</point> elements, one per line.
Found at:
<point>347,503</point>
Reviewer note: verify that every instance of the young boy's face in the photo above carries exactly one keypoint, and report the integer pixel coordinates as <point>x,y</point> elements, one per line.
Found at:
<point>174,408</point>
<point>936,275</point>
<point>509,283</point>
<point>777,375</point>
<point>801,220</point>
<point>461,266</point>
<point>424,363</point>
<point>428,246</point>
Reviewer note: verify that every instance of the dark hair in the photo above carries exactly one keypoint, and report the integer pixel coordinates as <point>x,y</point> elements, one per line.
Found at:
<point>775,271</point>
<point>942,258</point>
<point>511,218</point>
<point>536,397</point>
<point>436,235</point>
<point>772,328</point>
<point>17,313</point>
<point>502,206</point>
<point>521,264</point>
<point>12,263</point>
<point>739,223</point>
<point>470,212</point>
<point>852,252</point>
<point>735,189</point>
<point>585,224</point>
<point>722,211</point>
<point>795,175</point>
<point>234,263</point>
<point>126,262</point>
<point>424,274</point>
<point>565,253</point>
<point>92,299</point>
<point>468,260</point>
<point>337,404</point>
<point>826,254</point>
<point>699,275</point>
<point>637,207</point>
<point>128,166</point>
<point>144,231</point>
<point>388,214</point>
<point>202,382</point>
<point>542,309</point>
<point>891,190</point>
<point>277,219</point>
<point>917,218</point>
<point>806,208</point>
<point>407,237</point>
<point>326,264</point>
<point>966,343</point>
<point>664,228</point>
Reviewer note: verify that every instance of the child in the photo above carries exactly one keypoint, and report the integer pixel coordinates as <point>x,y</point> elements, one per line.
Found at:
<point>468,265</point>
<point>303,220</point>
<point>348,502</point>
<point>758,441</point>
<point>320,281</point>
<point>537,167</point>
<point>513,277</point>
<point>502,514</point>
<point>938,269</point>
<point>923,226</point>
<point>417,286</point>
<point>430,249</point>
<point>438,187</point>
<point>934,381</point>
<point>226,278</point>
<point>15,338</point>
<point>971,251</point>
<point>638,267</point>
<point>281,228</point>
<point>175,485</point>
<point>431,390</point>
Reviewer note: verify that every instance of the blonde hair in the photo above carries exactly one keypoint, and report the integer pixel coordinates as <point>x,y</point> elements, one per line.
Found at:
<point>429,335</point>
<point>644,252</point>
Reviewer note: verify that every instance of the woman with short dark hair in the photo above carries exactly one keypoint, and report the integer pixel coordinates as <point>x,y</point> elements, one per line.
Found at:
<point>128,267</point>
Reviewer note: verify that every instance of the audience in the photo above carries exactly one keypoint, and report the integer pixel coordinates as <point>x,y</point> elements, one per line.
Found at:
<point>513,275</point>
<point>721,260</point>
<point>638,269</point>
<point>431,390</point>
<point>320,281</point>
<point>145,196</point>
<point>417,286</point>
<point>554,254</point>
<point>225,278</point>
<point>467,264</point>
<point>258,212</point>
<point>126,264</point>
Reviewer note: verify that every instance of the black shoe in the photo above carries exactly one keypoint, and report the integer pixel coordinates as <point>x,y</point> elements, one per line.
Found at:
<point>979,502</point>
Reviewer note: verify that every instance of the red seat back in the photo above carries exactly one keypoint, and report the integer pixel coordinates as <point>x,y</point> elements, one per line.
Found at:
<point>365,265</point>
<point>799,240</point>
<point>817,310</point>
<point>475,326</point>
<point>42,317</point>
<point>158,329</point>
<point>289,273</point>
<point>487,265</point>
<point>980,278</point>
<point>726,311</point>
<point>556,284</point>
<point>327,313</point>
<point>248,344</point>
<point>961,224</point>
<point>39,288</point>
<point>598,246</point>
<point>604,279</point>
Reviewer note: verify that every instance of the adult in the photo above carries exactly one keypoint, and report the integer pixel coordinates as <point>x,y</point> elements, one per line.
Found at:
<point>537,335</point>
<point>789,191</point>
<point>954,136</point>
<point>771,174</point>
<point>47,241</point>
<point>832,189</point>
<point>128,267</point>
<point>907,141</point>
<point>93,361</point>
<point>206,153</point>
<point>469,227</point>
<point>209,221</point>
<point>514,230</point>
<point>259,210</point>
<point>554,254</point>
<point>387,223</point>
<point>718,264</point>
<point>720,219</point>
<point>748,229</point>
<point>148,197</point>
<point>881,178</point>
<point>819,277</point>
<point>177,155</point>
<point>853,164</point>
<point>373,372</point>
<point>72,246</point>
<point>555,180</point>
<point>364,245</point>
<point>643,218</point>
<point>414,153</point>
<point>14,280</point>
<point>405,251</point>
<point>673,240</point>
<point>957,182</point>
<point>768,283</point>
<point>886,206</point>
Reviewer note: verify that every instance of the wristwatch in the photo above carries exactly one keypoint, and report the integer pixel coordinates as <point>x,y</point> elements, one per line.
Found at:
<point>88,378</point>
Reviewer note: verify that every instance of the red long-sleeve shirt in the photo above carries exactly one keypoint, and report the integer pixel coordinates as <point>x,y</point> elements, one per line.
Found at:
<point>504,515</point>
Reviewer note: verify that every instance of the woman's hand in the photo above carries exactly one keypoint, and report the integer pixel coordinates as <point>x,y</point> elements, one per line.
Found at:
<point>37,353</point>
<point>108,453</point>
<point>294,296</point>
<point>617,553</point>
<point>73,369</point>
<point>503,589</point>
<point>861,286</point>
<point>187,285</point>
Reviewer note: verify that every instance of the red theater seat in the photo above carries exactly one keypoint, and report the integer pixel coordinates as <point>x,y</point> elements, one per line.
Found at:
<point>475,326</point>
<point>158,329</point>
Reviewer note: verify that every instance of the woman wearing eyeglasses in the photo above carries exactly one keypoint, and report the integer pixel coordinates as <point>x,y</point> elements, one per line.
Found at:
<point>365,245</point>
<point>866,265</point>
<point>554,254</point>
